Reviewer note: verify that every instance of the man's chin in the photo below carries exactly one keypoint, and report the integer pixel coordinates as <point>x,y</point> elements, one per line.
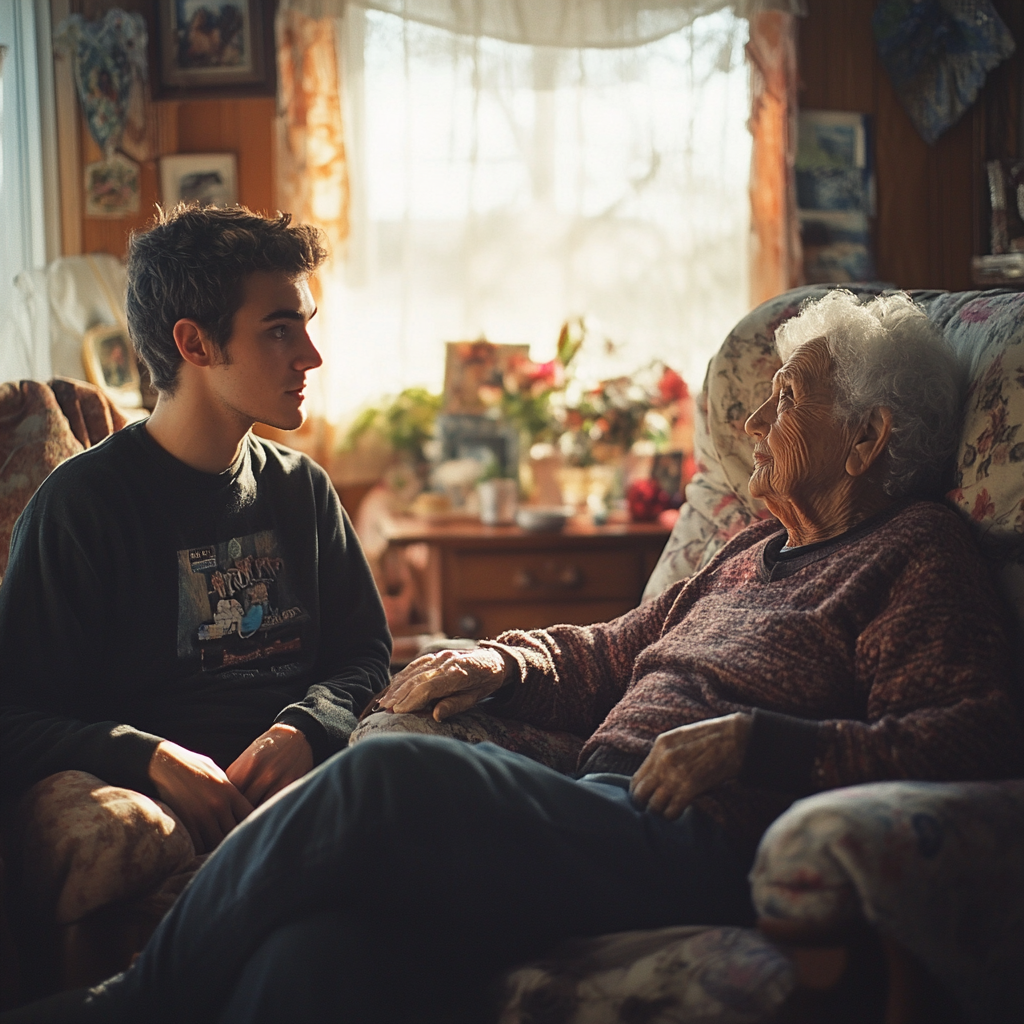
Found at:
<point>292,422</point>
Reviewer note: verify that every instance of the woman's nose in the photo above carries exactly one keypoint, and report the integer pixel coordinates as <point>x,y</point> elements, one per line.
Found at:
<point>757,422</point>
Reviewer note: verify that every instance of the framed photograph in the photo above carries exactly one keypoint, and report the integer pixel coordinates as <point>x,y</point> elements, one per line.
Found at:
<point>470,366</point>
<point>207,178</point>
<point>491,442</point>
<point>112,187</point>
<point>208,49</point>
<point>109,361</point>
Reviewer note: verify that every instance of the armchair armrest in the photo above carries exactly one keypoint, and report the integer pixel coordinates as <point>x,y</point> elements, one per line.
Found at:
<point>938,868</point>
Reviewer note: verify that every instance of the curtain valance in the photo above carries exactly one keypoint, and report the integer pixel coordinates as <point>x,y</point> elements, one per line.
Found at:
<point>566,23</point>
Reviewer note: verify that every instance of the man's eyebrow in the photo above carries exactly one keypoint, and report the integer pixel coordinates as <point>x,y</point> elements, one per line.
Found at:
<point>286,314</point>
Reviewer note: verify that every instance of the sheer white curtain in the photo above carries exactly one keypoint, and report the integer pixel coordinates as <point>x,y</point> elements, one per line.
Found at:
<point>498,188</point>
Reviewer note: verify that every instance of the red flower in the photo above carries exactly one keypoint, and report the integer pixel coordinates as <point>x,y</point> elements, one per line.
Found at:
<point>983,506</point>
<point>672,387</point>
<point>646,500</point>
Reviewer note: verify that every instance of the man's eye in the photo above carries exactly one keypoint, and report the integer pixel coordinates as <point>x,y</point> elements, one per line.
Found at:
<point>279,331</point>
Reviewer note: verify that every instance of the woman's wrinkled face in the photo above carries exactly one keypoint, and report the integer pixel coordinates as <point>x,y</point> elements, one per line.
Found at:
<point>801,449</point>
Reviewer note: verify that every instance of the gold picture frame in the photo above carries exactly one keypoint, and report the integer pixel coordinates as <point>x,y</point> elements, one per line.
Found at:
<point>109,362</point>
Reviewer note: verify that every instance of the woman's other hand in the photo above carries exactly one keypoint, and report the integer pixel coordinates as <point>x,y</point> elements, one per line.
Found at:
<point>450,680</point>
<point>690,760</point>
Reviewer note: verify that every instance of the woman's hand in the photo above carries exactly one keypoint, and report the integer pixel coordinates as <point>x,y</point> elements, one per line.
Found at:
<point>690,760</point>
<point>450,680</point>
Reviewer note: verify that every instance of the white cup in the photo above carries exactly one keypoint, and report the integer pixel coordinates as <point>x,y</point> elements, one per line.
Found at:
<point>498,501</point>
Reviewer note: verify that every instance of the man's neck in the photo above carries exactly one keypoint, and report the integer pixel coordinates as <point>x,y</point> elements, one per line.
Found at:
<point>197,433</point>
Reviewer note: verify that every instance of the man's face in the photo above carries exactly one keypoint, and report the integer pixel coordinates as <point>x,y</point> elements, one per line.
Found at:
<point>263,373</point>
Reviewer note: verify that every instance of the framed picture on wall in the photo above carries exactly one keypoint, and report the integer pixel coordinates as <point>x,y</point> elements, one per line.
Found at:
<point>207,178</point>
<point>109,362</point>
<point>212,49</point>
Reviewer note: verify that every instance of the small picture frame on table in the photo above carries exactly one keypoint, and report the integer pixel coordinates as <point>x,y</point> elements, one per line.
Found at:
<point>206,178</point>
<point>491,442</point>
<point>206,49</point>
<point>109,362</point>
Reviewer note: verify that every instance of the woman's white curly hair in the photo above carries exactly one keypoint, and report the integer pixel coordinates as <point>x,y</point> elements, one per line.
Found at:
<point>886,352</point>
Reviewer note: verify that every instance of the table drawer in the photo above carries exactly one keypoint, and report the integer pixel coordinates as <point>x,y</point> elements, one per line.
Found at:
<point>547,575</point>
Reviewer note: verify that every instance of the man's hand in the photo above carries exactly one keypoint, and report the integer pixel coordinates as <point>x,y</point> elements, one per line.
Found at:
<point>271,762</point>
<point>455,680</point>
<point>690,760</point>
<point>198,792</point>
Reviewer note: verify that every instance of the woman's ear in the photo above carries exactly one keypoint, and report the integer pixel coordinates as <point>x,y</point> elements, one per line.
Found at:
<point>871,440</point>
<point>194,343</point>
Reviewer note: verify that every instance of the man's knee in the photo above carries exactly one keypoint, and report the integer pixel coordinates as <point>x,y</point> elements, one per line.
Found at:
<point>83,845</point>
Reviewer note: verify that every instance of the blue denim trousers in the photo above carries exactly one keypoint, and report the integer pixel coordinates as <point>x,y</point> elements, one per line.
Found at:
<point>401,875</point>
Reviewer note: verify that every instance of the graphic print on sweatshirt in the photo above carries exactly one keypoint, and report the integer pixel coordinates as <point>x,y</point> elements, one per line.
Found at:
<point>236,606</point>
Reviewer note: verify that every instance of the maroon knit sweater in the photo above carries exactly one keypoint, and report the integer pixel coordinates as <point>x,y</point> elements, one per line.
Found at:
<point>881,654</point>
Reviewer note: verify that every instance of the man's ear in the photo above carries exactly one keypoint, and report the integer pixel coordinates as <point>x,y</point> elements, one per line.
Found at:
<point>194,344</point>
<point>870,441</point>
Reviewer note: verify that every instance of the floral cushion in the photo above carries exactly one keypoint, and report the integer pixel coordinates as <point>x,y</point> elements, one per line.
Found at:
<point>83,845</point>
<point>35,437</point>
<point>939,867</point>
<point>987,331</point>
<point>671,975</point>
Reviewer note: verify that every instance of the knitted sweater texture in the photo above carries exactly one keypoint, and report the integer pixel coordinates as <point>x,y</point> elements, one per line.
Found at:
<point>882,655</point>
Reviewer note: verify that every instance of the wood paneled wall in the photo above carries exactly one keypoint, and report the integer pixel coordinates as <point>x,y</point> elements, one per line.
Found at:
<point>244,127</point>
<point>931,199</point>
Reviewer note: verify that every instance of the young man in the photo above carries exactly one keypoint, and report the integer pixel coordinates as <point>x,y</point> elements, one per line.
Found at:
<point>187,612</point>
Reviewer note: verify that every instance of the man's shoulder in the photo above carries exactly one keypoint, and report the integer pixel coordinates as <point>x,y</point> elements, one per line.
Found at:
<point>103,471</point>
<point>275,459</point>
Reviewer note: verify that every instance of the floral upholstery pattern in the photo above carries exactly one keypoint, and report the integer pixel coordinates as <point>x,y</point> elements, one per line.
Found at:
<point>939,867</point>
<point>84,845</point>
<point>668,976</point>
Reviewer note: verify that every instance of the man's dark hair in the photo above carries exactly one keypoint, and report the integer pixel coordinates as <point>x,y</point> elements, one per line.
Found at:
<point>193,262</point>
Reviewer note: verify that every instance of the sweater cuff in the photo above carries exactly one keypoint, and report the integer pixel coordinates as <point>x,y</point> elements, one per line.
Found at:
<point>321,742</point>
<point>780,753</point>
<point>513,660</point>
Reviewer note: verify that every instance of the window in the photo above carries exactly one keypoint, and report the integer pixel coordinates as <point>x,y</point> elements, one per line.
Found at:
<point>499,189</point>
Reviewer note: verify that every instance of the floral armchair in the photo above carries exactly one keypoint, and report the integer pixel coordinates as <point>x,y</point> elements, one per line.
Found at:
<point>867,896</point>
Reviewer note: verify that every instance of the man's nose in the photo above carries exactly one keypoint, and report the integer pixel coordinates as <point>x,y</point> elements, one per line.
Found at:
<point>309,357</point>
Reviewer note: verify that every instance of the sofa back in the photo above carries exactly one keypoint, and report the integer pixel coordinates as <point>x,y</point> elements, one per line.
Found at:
<point>985,328</point>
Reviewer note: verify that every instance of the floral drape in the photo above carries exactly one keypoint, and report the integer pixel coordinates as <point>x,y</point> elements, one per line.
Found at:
<point>776,263</point>
<point>312,169</point>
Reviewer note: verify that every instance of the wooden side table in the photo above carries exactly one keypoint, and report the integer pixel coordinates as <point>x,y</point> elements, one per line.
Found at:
<point>482,580</point>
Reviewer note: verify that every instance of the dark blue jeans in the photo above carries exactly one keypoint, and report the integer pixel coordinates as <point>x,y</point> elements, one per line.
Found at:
<point>401,873</point>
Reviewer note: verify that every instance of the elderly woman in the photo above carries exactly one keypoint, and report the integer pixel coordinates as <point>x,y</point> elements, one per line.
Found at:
<point>852,638</point>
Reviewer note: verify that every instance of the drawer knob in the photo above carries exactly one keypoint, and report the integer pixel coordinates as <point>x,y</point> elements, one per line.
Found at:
<point>571,576</point>
<point>469,625</point>
<point>525,580</point>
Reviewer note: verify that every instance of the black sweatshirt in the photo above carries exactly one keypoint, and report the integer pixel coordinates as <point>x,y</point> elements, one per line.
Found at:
<point>145,600</point>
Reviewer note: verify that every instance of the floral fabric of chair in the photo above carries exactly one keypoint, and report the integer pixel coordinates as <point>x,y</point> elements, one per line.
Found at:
<point>939,867</point>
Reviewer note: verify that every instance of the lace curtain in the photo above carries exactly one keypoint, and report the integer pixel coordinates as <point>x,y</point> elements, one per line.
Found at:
<point>474,186</point>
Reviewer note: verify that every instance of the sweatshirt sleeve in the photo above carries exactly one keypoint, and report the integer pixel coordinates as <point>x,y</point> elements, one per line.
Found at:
<point>570,677</point>
<point>354,656</point>
<point>935,666</point>
<point>52,613</point>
